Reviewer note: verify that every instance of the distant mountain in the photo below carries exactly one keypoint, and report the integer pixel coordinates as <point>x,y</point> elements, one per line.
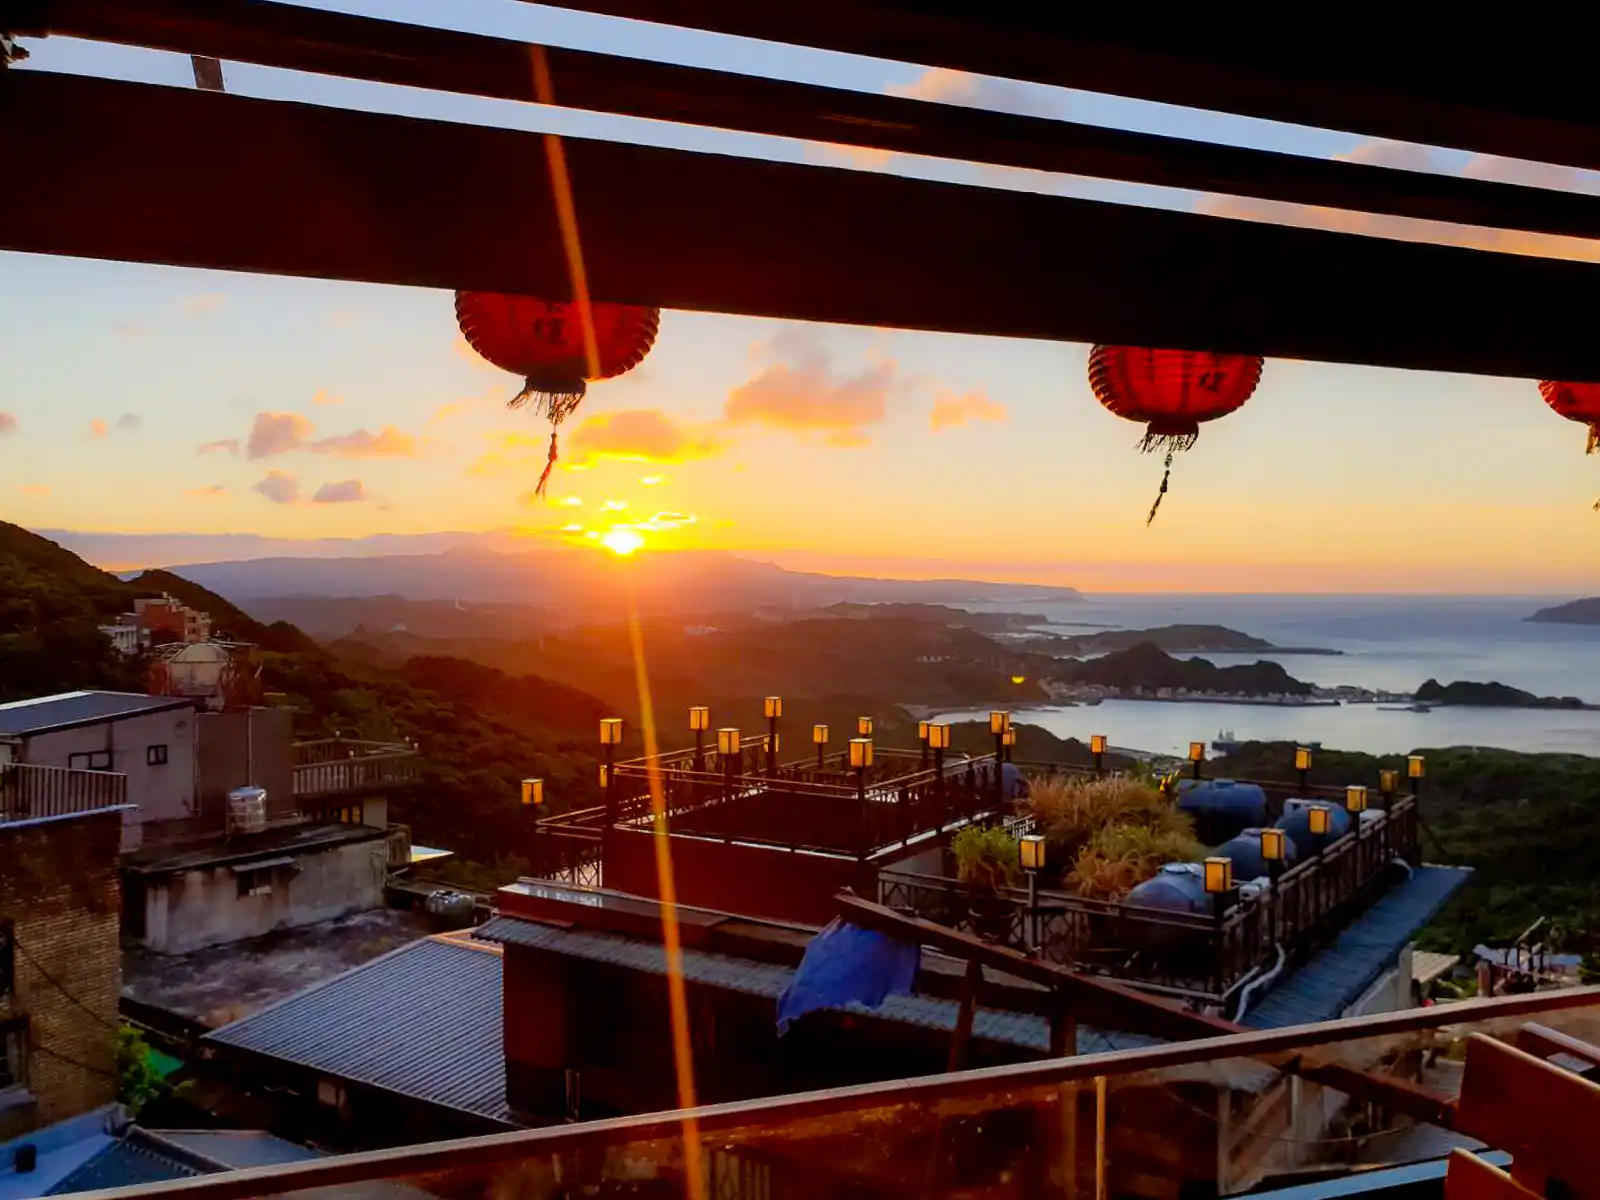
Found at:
<point>578,580</point>
<point>1148,668</point>
<point>1175,639</point>
<point>1489,695</point>
<point>1574,612</point>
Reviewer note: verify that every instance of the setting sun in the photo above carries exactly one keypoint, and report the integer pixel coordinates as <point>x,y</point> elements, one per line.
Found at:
<point>622,541</point>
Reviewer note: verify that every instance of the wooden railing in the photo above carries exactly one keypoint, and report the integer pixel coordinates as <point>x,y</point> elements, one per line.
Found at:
<point>1198,956</point>
<point>346,766</point>
<point>29,791</point>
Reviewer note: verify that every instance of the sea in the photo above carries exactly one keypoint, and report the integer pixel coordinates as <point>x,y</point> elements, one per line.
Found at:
<point>1387,642</point>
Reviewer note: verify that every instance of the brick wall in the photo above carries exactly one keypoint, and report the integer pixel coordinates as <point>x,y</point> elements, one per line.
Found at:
<point>60,888</point>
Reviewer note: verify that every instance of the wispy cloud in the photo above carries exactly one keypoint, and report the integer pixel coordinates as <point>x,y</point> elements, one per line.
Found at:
<point>280,487</point>
<point>388,442</point>
<point>98,428</point>
<point>210,490</point>
<point>131,330</point>
<point>805,393</point>
<point>226,445</point>
<point>326,399</point>
<point>950,411</point>
<point>345,491</point>
<point>34,489</point>
<point>8,424</point>
<point>210,302</point>
<point>129,422</point>
<point>274,433</point>
<point>640,435</point>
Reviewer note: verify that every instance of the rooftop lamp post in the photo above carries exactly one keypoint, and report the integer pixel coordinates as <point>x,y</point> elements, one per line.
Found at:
<point>1197,757</point>
<point>1302,765</point>
<point>533,802</point>
<point>728,751</point>
<point>860,760</point>
<point>699,722</point>
<point>1218,876</point>
<point>610,738</point>
<point>1319,818</point>
<point>1355,801</point>
<point>1097,750</point>
<point>819,738</point>
<point>1388,784</point>
<point>1273,849</point>
<point>1031,850</point>
<point>999,722</point>
<point>1416,768</point>
<point>774,709</point>
<point>1011,742</point>
<point>922,741</point>
<point>864,727</point>
<point>939,742</point>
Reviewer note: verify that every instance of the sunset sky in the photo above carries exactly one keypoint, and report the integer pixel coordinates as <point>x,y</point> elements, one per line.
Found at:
<point>145,400</point>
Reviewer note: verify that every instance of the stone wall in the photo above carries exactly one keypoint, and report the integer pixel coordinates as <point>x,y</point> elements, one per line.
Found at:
<point>59,888</point>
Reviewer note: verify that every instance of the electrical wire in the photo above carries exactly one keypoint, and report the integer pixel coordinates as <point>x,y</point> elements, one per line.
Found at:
<point>60,987</point>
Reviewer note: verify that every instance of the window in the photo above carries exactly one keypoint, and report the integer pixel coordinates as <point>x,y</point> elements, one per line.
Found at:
<point>93,760</point>
<point>155,756</point>
<point>13,1054</point>
<point>8,957</point>
<point>256,882</point>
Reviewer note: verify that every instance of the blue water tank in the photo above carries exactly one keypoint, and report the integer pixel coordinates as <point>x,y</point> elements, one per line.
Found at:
<point>1013,782</point>
<point>1222,808</point>
<point>1245,850</point>
<point>1297,824</point>
<point>1177,887</point>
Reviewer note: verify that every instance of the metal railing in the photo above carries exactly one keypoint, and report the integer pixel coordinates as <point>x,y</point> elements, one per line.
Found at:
<point>346,766</point>
<point>29,791</point>
<point>1197,956</point>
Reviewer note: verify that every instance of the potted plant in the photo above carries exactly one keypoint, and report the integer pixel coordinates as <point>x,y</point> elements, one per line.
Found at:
<point>986,863</point>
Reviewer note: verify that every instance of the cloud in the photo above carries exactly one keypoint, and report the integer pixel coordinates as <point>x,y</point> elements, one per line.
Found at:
<point>98,429</point>
<point>8,424</point>
<point>944,86</point>
<point>34,489</point>
<point>445,411</point>
<point>212,489</point>
<point>129,422</point>
<point>130,330</point>
<point>346,491</point>
<point>209,303</point>
<point>388,442</point>
<point>510,451</point>
<point>639,435</point>
<point>805,394</point>
<point>326,399</point>
<point>950,411</point>
<point>230,445</point>
<point>276,433</point>
<point>279,486</point>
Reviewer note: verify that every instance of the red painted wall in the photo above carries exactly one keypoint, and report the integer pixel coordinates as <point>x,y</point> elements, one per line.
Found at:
<point>777,884</point>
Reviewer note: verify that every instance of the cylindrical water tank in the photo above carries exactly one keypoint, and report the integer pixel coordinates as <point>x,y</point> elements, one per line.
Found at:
<point>1245,851</point>
<point>1176,887</point>
<point>1296,822</point>
<point>1221,808</point>
<point>247,810</point>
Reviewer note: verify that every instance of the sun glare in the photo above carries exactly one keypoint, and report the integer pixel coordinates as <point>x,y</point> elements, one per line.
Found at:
<point>622,541</point>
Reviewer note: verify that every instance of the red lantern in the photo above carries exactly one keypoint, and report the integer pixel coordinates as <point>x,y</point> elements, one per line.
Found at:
<point>543,341</point>
<point>1578,402</point>
<point>1170,392</point>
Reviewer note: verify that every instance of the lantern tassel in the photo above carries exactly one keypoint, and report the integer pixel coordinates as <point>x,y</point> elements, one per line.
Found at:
<point>549,465</point>
<point>1594,440</point>
<point>1166,475</point>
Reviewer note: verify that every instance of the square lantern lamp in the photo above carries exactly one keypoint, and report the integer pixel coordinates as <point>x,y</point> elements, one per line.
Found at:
<point>1009,737</point>
<point>938,736</point>
<point>1273,845</point>
<point>1416,766</point>
<point>1302,758</point>
<point>1319,819</point>
<point>532,793</point>
<point>1218,875</point>
<point>1197,752</point>
<point>1355,798</point>
<point>773,707</point>
<point>1388,781</point>
<point>728,741</point>
<point>922,731</point>
<point>699,719</point>
<point>999,722</point>
<point>819,735</point>
<point>611,731</point>
<point>1097,743</point>
<point>860,753</point>
<point>864,726</point>
<point>1031,850</point>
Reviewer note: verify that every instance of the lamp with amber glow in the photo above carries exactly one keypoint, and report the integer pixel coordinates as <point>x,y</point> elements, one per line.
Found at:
<point>1218,876</point>
<point>611,731</point>
<point>1416,768</point>
<point>699,722</point>
<point>1097,748</point>
<point>1302,765</point>
<point>819,738</point>
<point>999,722</point>
<point>610,738</point>
<point>532,793</point>
<point>1355,799</point>
<point>1030,849</point>
<point>863,726</point>
<point>1388,783</point>
<point>1274,845</point>
<point>732,758</point>
<point>1319,819</point>
<point>773,708</point>
<point>922,742</point>
<point>1009,738</point>
<point>1197,756</point>
<point>860,760</point>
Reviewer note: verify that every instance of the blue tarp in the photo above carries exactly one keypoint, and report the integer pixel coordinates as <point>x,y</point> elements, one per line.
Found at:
<point>846,964</point>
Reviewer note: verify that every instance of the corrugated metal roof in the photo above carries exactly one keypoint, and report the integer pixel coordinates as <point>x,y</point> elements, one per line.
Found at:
<point>23,717</point>
<point>239,1148</point>
<point>126,1162</point>
<point>1336,977</point>
<point>768,980</point>
<point>423,1021</point>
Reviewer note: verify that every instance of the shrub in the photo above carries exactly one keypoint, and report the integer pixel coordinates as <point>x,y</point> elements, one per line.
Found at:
<point>1117,858</point>
<point>986,858</point>
<point>1115,831</point>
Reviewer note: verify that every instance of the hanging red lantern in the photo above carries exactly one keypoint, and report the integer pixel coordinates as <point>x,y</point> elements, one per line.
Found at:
<point>543,341</point>
<point>1170,392</point>
<point>1578,402</point>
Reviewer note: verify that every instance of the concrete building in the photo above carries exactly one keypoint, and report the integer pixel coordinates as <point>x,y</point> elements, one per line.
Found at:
<point>172,618</point>
<point>60,973</point>
<point>150,739</point>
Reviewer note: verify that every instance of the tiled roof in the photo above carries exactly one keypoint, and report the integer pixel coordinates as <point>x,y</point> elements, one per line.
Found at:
<point>23,717</point>
<point>1336,977</point>
<point>423,1021</point>
<point>768,980</point>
